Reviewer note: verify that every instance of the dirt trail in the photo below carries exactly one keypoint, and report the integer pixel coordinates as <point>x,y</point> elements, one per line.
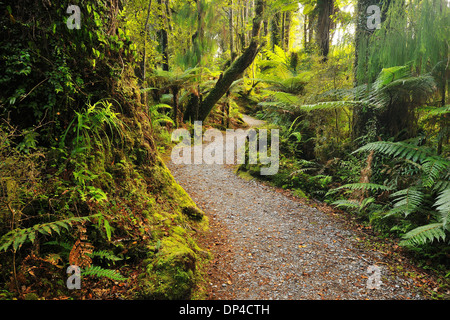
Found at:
<point>268,245</point>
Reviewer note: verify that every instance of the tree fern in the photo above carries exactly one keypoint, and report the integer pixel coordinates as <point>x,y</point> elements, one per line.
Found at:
<point>403,89</point>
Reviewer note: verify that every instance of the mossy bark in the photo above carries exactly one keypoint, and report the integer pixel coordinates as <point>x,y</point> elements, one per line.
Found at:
<point>237,67</point>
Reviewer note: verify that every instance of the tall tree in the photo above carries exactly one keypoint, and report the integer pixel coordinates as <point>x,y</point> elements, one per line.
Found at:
<point>325,8</point>
<point>362,115</point>
<point>162,34</point>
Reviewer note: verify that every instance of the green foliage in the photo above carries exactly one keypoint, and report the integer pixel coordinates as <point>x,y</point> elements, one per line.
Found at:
<point>17,237</point>
<point>93,122</point>
<point>425,194</point>
<point>361,207</point>
<point>157,117</point>
<point>104,255</point>
<point>398,149</point>
<point>362,186</point>
<point>424,234</point>
<point>97,271</point>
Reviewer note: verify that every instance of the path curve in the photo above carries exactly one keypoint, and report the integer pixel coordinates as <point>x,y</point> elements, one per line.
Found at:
<point>267,245</point>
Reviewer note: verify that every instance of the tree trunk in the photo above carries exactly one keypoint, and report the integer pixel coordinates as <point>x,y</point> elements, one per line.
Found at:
<point>230,20</point>
<point>276,30</point>
<point>144,53</point>
<point>175,91</point>
<point>237,67</point>
<point>287,30</point>
<point>163,39</point>
<point>363,116</point>
<point>326,8</point>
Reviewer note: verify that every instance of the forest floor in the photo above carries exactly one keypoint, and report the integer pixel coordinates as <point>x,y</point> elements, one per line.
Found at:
<point>268,244</point>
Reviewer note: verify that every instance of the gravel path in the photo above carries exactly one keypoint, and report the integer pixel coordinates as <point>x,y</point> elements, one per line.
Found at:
<point>268,245</point>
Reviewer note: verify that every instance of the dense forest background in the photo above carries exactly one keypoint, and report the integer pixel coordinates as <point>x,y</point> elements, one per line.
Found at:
<point>361,102</point>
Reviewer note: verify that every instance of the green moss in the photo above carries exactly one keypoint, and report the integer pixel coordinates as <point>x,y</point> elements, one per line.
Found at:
<point>299,193</point>
<point>171,273</point>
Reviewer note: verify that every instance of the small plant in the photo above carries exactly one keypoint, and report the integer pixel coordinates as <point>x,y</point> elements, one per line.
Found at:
<point>98,271</point>
<point>17,237</point>
<point>90,124</point>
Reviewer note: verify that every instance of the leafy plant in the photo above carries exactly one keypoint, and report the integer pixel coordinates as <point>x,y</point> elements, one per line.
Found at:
<point>92,122</point>
<point>98,271</point>
<point>429,195</point>
<point>359,206</point>
<point>157,117</point>
<point>17,237</point>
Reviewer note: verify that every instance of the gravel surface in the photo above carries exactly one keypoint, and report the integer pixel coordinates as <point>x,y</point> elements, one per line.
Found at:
<point>267,245</point>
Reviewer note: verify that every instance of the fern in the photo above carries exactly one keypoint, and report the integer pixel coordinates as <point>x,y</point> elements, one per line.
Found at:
<point>16,238</point>
<point>353,204</point>
<point>408,201</point>
<point>424,234</point>
<point>433,169</point>
<point>346,203</point>
<point>398,149</point>
<point>385,94</point>
<point>99,272</point>
<point>328,105</point>
<point>362,186</point>
<point>434,231</point>
<point>103,254</point>
<point>442,205</point>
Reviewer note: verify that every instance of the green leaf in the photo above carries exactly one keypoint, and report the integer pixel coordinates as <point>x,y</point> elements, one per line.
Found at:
<point>424,234</point>
<point>19,239</point>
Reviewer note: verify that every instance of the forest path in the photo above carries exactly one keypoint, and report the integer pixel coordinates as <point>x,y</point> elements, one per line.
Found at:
<point>268,245</point>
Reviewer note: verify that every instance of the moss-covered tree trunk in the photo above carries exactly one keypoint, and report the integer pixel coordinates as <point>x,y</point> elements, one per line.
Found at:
<point>237,67</point>
<point>363,116</point>
<point>324,23</point>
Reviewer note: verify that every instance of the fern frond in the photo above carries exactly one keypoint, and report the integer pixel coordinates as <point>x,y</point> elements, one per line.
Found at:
<point>387,92</point>
<point>424,234</point>
<point>434,168</point>
<point>346,203</point>
<point>408,201</point>
<point>98,271</point>
<point>103,254</point>
<point>16,238</point>
<point>329,105</point>
<point>282,99</point>
<point>442,205</point>
<point>398,149</point>
<point>363,186</point>
<point>441,185</point>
